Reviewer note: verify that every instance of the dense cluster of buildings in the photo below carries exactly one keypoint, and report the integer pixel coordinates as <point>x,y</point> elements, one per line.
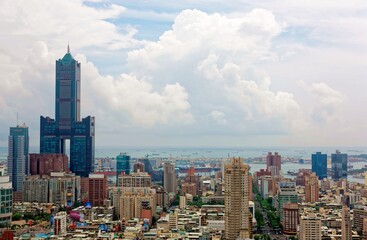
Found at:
<point>215,201</point>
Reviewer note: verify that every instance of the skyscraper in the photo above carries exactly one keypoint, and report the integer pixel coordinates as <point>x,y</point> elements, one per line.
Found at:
<point>236,200</point>
<point>67,124</point>
<point>319,165</point>
<point>339,165</point>
<point>274,163</point>
<point>18,158</point>
<point>312,188</point>
<point>346,224</point>
<point>169,177</point>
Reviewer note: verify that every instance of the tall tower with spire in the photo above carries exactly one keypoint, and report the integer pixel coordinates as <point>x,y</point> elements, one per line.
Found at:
<point>67,124</point>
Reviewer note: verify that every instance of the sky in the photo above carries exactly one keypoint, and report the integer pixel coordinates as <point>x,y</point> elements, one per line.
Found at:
<point>192,73</point>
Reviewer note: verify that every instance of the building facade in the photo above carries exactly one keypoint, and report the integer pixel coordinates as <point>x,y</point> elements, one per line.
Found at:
<point>139,167</point>
<point>6,199</point>
<point>67,124</point>
<point>311,188</point>
<point>286,194</point>
<point>339,165</point>
<point>290,218</point>
<point>319,164</point>
<point>44,164</point>
<point>64,189</point>
<point>237,215</point>
<point>97,189</point>
<point>18,150</point>
<point>36,189</point>
<point>123,164</point>
<point>359,214</point>
<point>135,179</point>
<point>274,160</point>
<point>192,183</point>
<point>59,226</point>
<point>310,227</point>
<point>133,204</point>
<point>169,177</point>
<point>346,224</point>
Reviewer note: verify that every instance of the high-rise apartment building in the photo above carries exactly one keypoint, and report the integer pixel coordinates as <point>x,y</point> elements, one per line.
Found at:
<point>67,124</point>
<point>64,189</point>
<point>97,189</point>
<point>6,198</point>
<point>346,224</point>
<point>286,194</point>
<point>290,218</point>
<point>134,204</point>
<point>134,183</point>
<point>162,196</point>
<point>45,163</point>
<point>135,180</point>
<point>319,164</point>
<point>310,227</point>
<point>169,177</point>
<point>18,158</point>
<point>274,160</point>
<point>339,165</point>
<point>59,226</point>
<point>311,188</point>
<point>36,189</point>
<point>364,231</point>
<point>359,214</point>
<point>58,187</point>
<point>236,200</point>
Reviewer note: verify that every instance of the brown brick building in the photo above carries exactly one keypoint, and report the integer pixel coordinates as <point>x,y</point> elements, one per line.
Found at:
<point>45,163</point>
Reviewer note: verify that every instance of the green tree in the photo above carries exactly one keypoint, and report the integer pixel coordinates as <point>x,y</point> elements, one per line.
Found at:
<point>16,216</point>
<point>259,218</point>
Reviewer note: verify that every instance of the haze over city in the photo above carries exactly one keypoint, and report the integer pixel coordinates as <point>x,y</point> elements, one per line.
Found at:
<point>192,73</point>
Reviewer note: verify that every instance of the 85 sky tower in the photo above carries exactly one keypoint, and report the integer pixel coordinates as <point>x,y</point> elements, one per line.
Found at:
<point>67,124</point>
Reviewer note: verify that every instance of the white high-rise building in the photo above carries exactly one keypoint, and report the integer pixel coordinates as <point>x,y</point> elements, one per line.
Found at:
<point>6,198</point>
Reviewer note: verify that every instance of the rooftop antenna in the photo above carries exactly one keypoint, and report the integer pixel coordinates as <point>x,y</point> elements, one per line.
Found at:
<point>68,48</point>
<point>17,120</point>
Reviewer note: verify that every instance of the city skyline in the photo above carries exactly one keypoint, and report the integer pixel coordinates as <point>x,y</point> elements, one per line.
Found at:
<point>280,74</point>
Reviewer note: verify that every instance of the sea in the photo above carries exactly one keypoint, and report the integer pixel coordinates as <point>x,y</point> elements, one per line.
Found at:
<point>303,153</point>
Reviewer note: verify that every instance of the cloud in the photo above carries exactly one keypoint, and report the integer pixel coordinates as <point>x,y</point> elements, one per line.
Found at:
<point>329,102</point>
<point>211,74</point>
<point>145,106</point>
<point>218,117</point>
<point>219,56</point>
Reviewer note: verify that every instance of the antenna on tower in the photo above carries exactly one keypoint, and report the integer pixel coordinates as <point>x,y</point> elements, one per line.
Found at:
<point>17,120</point>
<point>68,50</point>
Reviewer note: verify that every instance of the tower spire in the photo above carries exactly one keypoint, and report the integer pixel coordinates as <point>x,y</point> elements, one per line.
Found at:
<point>68,50</point>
